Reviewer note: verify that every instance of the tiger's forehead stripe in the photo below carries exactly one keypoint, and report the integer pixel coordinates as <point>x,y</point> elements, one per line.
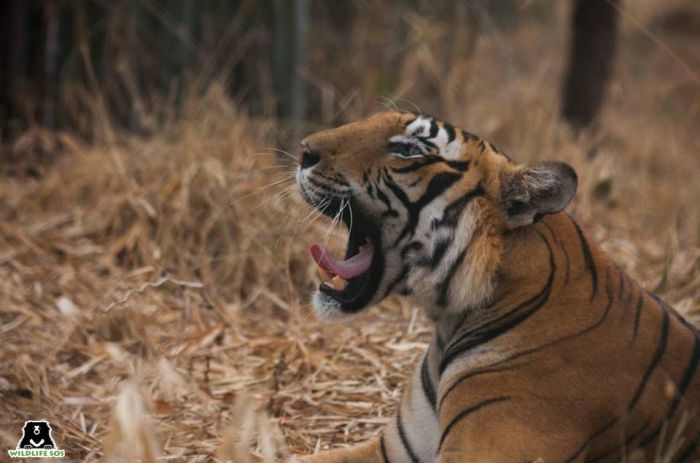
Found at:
<point>450,142</point>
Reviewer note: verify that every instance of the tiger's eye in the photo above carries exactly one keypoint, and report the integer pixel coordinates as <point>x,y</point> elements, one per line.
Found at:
<point>415,150</point>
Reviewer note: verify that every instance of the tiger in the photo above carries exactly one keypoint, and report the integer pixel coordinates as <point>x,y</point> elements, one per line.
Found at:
<point>543,349</point>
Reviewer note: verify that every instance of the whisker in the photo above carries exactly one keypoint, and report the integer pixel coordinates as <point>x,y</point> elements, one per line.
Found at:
<point>336,219</point>
<point>315,211</point>
<point>286,153</point>
<point>280,175</point>
<point>277,166</point>
<point>283,193</point>
<point>261,190</point>
<point>415,106</point>
<point>350,209</point>
<point>324,204</point>
<point>388,103</point>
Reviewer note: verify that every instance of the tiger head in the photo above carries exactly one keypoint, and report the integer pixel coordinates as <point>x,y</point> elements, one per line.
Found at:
<point>427,206</point>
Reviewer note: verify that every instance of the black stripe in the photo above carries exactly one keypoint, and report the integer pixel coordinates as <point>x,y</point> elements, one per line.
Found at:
<point>427,142</point>
<point>637,315</point>
<point>417,165</point>
<point>398,192</point>
<point>449,128</point>
<point>399,147</point>
<point>494,148</point>
<point>568,264</point>
<point>588,257</point>
<point>404,439</point>
<point>470,136</point>
<point>660,349</point>
<point>433,129</point>
<point>384,198</point>
<point>687,378</point>
<point>445,284</point>
<point>468,375</point>
<point>412,218</point>
<point>382,447</point>
<point>428,388</point>
<point>466,412</point>
<point>621,289</point>
<point>439,252</point>
<point>370,190</point>
<point>451,214</point>
<point>630,293</point>
<point>339,180</point>
<point>368,185</point>
<point>503,324</point>
<point>560,244</point>
<point>693,329</point>
<point>461,166</point>
<point>440,342</point>
<point>590,439</point>
<point>438,185</point>
<point>464,315</point>
<point>418,180</point>
<point>412,246</point>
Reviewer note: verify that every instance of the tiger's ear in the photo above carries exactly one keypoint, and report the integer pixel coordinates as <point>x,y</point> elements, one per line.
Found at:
<point>529,193</point>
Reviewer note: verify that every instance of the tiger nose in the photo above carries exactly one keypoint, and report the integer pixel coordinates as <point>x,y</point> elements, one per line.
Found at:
<point>309,157</point>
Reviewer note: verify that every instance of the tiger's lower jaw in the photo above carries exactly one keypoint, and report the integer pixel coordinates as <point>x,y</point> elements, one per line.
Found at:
<point>328,308</point>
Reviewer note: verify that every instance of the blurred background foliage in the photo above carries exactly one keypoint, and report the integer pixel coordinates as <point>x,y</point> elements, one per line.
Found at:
<point>65,64</point>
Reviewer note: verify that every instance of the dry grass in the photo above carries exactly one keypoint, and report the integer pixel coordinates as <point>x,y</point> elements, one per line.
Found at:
<point>153,293</point>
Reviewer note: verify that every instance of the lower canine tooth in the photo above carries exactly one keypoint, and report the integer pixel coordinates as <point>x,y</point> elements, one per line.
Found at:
<point>338,283</point>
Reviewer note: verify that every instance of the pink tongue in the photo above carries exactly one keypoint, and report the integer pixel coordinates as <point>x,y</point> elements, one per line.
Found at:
<point>345,269</point>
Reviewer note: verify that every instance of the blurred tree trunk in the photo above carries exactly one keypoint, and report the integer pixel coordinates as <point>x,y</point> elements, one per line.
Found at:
<point>298,84</point>
<point>291,28</point>
<point>50,77</point>
<point>282,60</point>
<point>13,53</point>
<point>591,53</point>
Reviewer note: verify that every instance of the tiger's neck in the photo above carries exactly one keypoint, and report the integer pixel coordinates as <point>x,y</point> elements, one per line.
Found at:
<point>543,272</point>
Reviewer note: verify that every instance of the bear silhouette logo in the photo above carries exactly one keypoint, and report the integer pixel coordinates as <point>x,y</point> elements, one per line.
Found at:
<point>36,435</point>
<point>36,442</point>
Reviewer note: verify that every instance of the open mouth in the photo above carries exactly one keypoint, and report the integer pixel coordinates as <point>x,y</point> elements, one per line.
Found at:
<point>353,281</point>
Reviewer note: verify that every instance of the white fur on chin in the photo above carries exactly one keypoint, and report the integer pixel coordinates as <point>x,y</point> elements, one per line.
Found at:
<point>328,309</point>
